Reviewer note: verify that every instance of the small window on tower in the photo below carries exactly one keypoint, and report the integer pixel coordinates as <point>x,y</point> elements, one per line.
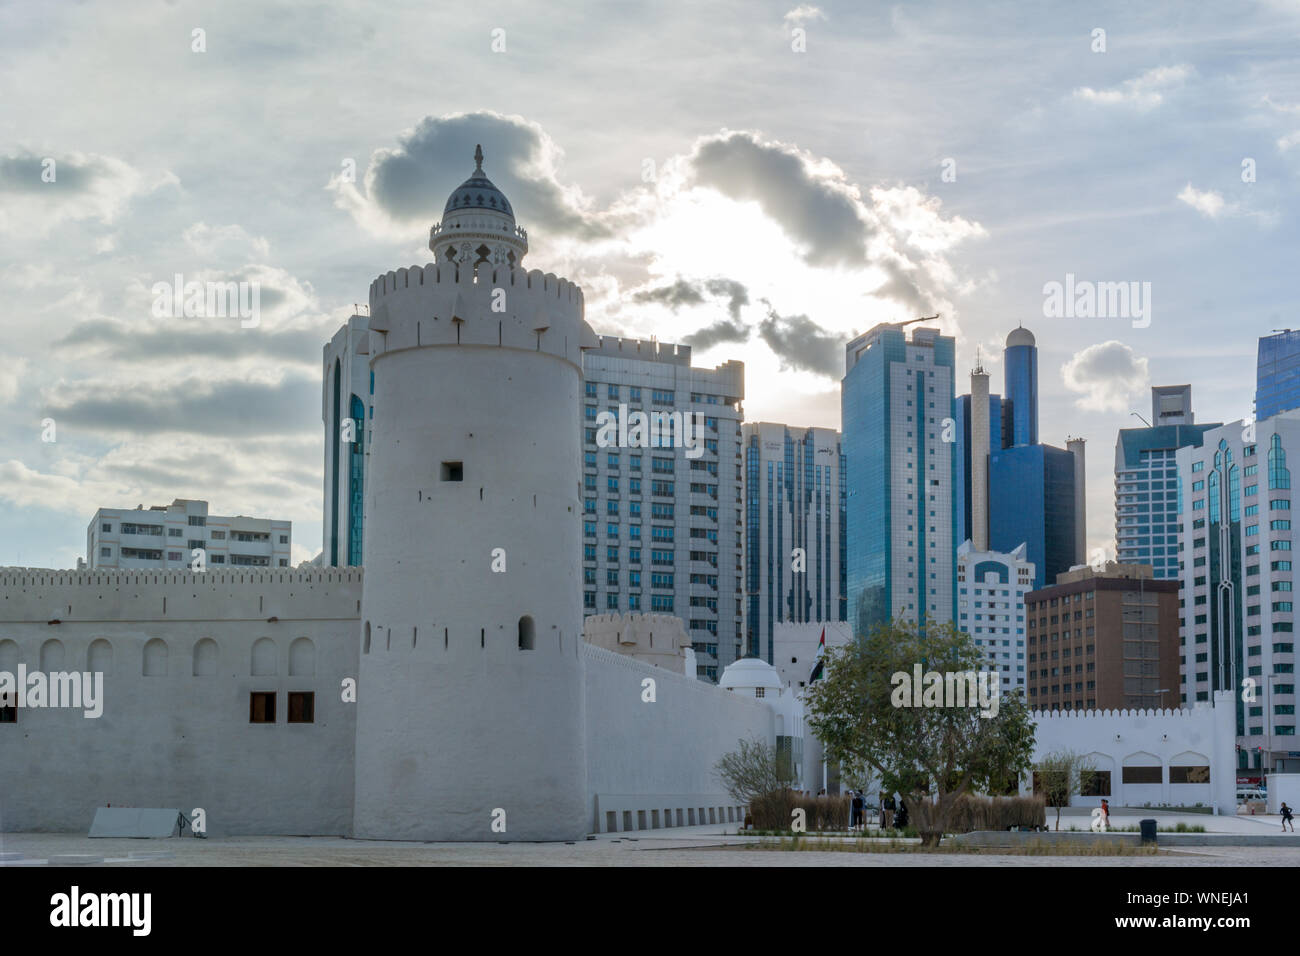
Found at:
<point>453,471</point>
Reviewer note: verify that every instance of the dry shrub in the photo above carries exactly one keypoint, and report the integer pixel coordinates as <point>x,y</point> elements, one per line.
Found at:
<point>775,811</point>
<point>970,812</point>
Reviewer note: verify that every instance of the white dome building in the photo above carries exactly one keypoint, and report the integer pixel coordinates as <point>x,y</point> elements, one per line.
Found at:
<point>752,677</point>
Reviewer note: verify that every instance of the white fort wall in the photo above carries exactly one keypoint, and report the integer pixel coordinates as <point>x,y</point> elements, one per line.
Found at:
<point>650,765</point>
<point>472,678</point>
<point>181,653</point>
<point>1151,742</point>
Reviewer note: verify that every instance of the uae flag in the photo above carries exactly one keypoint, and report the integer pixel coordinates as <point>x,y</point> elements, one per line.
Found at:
<point>821,664</point>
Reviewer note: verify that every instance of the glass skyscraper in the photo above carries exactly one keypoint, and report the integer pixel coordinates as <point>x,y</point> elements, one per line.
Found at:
<point>1020,363</point>
<point>1277,374</point>
<point>1237,581</point>
<point>1146,487</point>
<point>347,409</point>
<point>794,498</point>
<point>901,508</point>
<point>1032,502</point>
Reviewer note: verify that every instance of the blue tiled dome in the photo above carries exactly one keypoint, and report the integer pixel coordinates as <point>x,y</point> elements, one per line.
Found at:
<point>478,192</point>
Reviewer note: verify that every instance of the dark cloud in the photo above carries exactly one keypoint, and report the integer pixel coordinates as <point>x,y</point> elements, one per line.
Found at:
<point>802,344</point>
<point>682,293</point>
<point>22,174</point>
<point>674,296</point>
<point>190,338</point>
<point>812,210</point>
<point>718,333</point>
<point>195,406</point>
<point>411,182</point>
<point>735,292</point>
<point>901,288</point>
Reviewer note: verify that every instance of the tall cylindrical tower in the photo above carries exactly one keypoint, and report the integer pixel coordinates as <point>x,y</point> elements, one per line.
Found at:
<point>470,707</point>
<point>979,458</point>
<point>1020,366</point>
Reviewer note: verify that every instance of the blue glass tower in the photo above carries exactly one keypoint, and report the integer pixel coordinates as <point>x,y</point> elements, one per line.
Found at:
<point>1277,374</point>
<point>1020,362</point>
<point>1032,502</point>
<point>901,505</point>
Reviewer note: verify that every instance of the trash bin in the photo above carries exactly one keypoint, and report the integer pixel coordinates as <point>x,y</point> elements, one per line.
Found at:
<point>1148,828</point>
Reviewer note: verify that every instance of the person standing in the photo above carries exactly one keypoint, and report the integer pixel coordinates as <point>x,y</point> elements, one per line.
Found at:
<point>889,811</point>
<point>1287,818</point>
<point>1105,815</point>
<point>855,817</point>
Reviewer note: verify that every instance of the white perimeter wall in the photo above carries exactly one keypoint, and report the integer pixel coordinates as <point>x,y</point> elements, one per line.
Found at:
<point>181,740</point>
<point>645,758</point>
<point>1114,739</point>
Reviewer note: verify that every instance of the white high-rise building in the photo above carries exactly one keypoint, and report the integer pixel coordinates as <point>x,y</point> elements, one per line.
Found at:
<point>166,536</point>
<point>991,589</point>
<point>662,526</point>
<point>1237,548</point>
<point>348,410</point>
<point>794,531</point>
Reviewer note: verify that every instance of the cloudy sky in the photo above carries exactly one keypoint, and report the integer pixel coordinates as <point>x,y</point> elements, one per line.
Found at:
<point>704,181</point>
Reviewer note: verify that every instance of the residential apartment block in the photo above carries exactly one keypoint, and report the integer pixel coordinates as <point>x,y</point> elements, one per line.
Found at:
<point>1103,639</point>
<point>166,536</point>
<point>662,506</point>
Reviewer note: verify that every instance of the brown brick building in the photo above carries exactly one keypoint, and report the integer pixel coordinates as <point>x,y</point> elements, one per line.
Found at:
<point>1103,640</point>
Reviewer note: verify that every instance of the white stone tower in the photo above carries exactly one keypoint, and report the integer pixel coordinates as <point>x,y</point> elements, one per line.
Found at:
<point>470,706</point>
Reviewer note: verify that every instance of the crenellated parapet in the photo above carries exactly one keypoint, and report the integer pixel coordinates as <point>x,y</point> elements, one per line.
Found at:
<point>446,305</point>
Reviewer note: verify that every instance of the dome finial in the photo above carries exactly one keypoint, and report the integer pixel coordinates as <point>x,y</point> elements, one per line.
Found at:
<point>478,158</point>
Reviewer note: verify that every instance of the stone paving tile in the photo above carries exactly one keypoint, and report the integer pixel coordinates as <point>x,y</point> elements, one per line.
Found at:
<point>686,849</point>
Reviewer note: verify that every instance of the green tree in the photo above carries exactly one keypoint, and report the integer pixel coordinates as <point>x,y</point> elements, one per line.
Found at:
<point>1060,775</point>
<point>753,771</point>
<point>918,751</point>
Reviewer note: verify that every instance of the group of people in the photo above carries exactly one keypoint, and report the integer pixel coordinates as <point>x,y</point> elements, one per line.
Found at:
<point>891,813</point>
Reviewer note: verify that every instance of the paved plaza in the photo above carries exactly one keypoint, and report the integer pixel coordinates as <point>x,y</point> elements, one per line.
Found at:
<point>686,846</point>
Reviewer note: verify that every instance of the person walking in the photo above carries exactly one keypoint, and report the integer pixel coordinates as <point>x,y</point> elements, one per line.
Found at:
<point>1105,815</point>
<point>889,811</point>
<point>1287,818</point>
<point>855,818</point>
